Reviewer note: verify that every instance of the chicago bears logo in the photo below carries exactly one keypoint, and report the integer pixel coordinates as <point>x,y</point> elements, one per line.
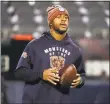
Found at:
<point>24,54</point>
<point>57,61</point>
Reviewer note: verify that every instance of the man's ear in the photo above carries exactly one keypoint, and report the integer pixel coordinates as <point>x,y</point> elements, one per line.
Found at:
<point>50,25</point>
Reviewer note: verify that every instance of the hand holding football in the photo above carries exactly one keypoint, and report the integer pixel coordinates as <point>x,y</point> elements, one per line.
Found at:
<point>67,75</point>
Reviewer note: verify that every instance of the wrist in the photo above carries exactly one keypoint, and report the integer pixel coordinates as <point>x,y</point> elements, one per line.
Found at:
<point>40,74</point>
<point>80,80</point>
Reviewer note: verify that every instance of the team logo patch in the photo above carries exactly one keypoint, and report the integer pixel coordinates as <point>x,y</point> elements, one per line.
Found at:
<point>61,9</point>
<point>24,55</point>
<point>57,61</point>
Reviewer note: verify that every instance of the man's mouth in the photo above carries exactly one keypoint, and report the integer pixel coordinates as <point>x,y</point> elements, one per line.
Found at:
<point>63,25</point>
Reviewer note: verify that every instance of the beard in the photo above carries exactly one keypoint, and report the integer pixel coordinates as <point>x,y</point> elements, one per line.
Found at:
<point>60,31</point>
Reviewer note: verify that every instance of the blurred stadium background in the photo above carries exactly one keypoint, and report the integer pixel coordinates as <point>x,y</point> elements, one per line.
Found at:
<point>89,27</point>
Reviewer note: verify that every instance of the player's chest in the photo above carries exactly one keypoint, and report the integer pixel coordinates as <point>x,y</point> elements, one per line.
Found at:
<point>55,55</point>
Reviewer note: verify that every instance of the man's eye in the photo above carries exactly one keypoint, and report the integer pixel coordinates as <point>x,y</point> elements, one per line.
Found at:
<point>58,17</point>
<point>66,17</point>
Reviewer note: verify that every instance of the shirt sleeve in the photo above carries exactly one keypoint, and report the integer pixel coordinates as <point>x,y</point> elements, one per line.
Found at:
<point>80,68</point>
<point>24,70</point>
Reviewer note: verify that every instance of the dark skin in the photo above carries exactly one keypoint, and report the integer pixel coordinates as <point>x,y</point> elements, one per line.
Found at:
<point>60,23</point>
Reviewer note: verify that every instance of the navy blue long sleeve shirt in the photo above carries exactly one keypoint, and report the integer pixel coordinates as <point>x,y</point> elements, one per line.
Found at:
<point>41,54</point>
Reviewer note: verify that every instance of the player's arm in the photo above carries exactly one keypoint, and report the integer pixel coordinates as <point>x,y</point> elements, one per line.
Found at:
<point>79,82</point>
<point>24,70</point>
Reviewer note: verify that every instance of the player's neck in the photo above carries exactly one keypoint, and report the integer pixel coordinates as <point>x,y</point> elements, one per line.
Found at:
<point>56,35</point>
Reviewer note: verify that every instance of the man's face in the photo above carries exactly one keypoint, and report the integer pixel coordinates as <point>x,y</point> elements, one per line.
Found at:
<point>60,23</point>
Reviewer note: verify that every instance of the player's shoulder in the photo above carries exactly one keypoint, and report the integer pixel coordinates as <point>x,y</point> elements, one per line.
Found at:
<point>36,40</point>
<point>33,43</point>
<point>75,46</point>
<point>74,43</point>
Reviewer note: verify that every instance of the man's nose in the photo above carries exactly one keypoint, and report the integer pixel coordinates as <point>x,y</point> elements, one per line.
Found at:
<point>63,18</point>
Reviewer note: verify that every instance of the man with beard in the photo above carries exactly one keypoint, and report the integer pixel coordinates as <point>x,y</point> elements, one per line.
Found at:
<point>44,57</point>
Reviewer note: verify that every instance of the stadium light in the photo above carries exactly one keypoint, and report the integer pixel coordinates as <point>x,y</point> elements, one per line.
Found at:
<point>105,33</point>
<point>14,19</point>
<point>83,10</point>
<point>31,2</point>
<point>10,9</point>
<point>15,28</point>
<point>87,34</point>
<point>85,19</point>
<point>107,21</point>
<point>38,19</point>
<point>40,28</point>
<point>37,11</point>
<point>106,11</point>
